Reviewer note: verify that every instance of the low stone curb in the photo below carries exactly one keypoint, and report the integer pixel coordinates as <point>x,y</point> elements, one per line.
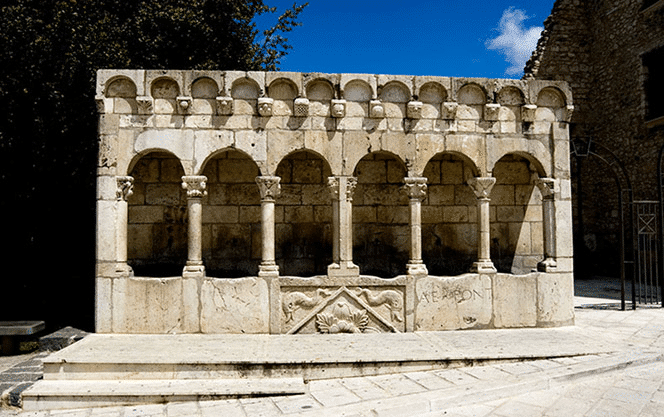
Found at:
<point>18,378</point>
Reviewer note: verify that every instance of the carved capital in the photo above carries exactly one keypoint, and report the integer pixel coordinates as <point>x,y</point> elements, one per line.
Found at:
<point>125,187</point>
<point>528,112</point>
<point>265,106</point>
<point>338,109</point>
<point>415,187</point>
<point>448,110</point>
<point>145,104</point>
<point>184,103</point>
<point>547,187</point>
<point>336,186</point>
<point>376,109</point>
<point>568,112</point>
<point>224,106</point>
<point>195,186</point>
<point>301,107</point>
<point>414,109</point>
<point>482,186</point>
<point>269,187</point>
<point>492,112</point>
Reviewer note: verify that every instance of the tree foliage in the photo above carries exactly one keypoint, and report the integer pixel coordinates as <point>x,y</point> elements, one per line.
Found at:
<point>49,53</point>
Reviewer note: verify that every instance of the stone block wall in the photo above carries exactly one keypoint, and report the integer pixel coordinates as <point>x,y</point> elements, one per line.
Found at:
<point>599,49</point>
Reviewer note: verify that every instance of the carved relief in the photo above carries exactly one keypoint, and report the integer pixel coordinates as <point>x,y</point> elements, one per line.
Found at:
<point>296,300</point>
<point>195,186</point>
<point>342,319</point>
<point>342,310</point>
<point>224,106</point>
<point>390,298</point>
<point>145,104</point>
<point>338,109</point>
<point>265,106</point>
<point>301,107</point>
<point>125,187</point>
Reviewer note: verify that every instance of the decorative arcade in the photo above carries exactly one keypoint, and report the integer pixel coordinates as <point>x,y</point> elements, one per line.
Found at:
<point>275,202</point>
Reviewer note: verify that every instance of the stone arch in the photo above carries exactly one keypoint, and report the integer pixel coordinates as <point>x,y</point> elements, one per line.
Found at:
<point>164,91</point>
<point>320,93</point>
<point>471,98</point>
<point>319,89</point>
<point>120,87</point>
<point>510,96</point>
<point>357,91</point>
<point>245,89</point>
<point>381,235</point>
<point>517,239</point>
<point>551,97</point>
<point>449,215</point>
<point>303,215</point>
<point>204,87</point>
<point>178,142</point>
<point>394,95</point>
<point>533,151</point>
<point>432,94</point>
<point>231,232</point>
<point>157,219</point>
<point>284,92</point>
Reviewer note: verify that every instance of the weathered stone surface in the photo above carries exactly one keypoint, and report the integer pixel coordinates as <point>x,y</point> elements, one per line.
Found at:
<point>238,305</point>
<point>449,303</point>
<point>514,300</point>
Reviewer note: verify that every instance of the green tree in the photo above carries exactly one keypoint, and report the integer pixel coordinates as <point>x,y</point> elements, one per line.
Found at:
<point>49,53</point>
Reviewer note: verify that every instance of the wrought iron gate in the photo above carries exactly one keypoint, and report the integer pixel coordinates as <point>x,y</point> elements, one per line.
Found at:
<point>647,274</point>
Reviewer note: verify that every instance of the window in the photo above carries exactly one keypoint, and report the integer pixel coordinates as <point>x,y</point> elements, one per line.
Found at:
<point>653,65</point>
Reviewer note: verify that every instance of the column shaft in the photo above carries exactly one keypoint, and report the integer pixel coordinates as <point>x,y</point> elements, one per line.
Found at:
<point>269,188</point>
<point>482,187</point>
<point>547,187</point>
<point>342,188</point>
<point>123,192</point>
<point>416,188</point>
<point>195,186</point>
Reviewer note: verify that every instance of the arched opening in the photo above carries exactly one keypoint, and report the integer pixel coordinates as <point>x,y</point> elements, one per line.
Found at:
<point>157,220</point>
<point>381,235</point>
<point>449,216</point>
<point>231,216</point>
<point>303,215</point>
<point>517,239</point>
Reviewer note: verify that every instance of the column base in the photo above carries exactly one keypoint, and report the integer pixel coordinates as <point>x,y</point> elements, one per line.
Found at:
<point>483,267</point>
<point>344,269</point>
<point>417,269</point>
<point>268,270</point>
<point>547,265</point>
<point>193,271</point>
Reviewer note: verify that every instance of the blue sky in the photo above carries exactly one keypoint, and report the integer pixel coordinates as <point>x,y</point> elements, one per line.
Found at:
<point>417,37</point>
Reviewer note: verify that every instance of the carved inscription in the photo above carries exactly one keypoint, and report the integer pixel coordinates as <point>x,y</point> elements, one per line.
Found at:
<point>439,293</point>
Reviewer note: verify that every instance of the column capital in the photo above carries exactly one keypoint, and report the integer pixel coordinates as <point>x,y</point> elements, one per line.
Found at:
<point>125,187</point>
<point>269,187</point>
<point>547,187</point>
<point>416,187</point>
<point>482,186</point>
<point>338,190</point>
<point>195,185</point>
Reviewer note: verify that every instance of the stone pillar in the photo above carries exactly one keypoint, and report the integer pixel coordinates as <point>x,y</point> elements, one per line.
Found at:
<point>269,188</point>
<point>482,187</point>
<point>547,187</point>
<point>195,186</point>
<point>124,190</point>
<point>416,188</point>
<point>342,188</point>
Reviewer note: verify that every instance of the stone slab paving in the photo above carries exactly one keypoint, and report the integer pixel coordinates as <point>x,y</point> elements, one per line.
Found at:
<point>627,382</point>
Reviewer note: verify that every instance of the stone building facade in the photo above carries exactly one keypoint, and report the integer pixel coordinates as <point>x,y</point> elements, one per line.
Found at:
<point>274,202</point>
<point>611,52</point>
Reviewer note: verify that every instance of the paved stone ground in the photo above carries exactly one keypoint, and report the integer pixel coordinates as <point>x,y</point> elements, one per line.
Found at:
<point>625,383</point>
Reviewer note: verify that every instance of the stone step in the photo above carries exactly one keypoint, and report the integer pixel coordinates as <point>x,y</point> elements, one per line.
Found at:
<point>311,357</point>
<point>64,394</point>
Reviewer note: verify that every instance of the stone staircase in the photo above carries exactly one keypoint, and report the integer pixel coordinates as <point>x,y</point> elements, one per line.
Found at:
<point>120,369</point>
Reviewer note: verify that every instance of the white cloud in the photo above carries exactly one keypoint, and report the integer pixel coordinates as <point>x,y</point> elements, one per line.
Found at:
<point>514,40</point>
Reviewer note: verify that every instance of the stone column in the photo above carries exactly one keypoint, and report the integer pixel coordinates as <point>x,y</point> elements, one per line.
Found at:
<point>482,187</point>
<point>342,188</point>
<point>547,187</point>
<point>124,190</point>
<point>269,188</point>
<point>416,188</point>
<point>195,186</point>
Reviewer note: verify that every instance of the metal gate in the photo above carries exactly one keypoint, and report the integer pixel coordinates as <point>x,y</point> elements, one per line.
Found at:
<point>646,279</point>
